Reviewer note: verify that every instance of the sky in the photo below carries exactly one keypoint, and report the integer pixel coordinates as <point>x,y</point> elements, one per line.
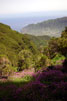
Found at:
<point>15,7</point>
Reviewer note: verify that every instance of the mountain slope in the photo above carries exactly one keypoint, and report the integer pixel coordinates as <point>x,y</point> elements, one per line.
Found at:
<point>50,27</point>
<point>12,42</point>
<point>39,40</point>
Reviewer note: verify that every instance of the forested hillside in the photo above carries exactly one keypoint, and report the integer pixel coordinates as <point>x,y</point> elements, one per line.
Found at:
<point>39,40</point>
<point>29,71</point>
<point>11,45</point>
<point>52,27</point>
<point>19,50</point>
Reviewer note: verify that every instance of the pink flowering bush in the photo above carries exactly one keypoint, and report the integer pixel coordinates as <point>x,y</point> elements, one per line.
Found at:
<point>46,85</point>
<point>58,91</point>
<point>51,76</point>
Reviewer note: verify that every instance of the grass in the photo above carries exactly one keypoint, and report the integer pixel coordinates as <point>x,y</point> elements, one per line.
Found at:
<point>26,78</point>
<point>10,87</point>
<point>57,60</point>
<point>17,81</point>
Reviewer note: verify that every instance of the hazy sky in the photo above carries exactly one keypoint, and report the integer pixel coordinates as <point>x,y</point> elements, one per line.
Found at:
<point>8,7</point>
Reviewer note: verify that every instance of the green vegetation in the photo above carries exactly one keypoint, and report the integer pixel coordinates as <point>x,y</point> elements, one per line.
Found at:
<point>39,40</point>
<point>30,70</point>
<point>25,59</point>
<point>52,28</point>
<point>58,45</point>
<point>43,62</point>
<point>12,43</point>
<point>57,60</point>
<point>22,80</point>
<point>22,51</point>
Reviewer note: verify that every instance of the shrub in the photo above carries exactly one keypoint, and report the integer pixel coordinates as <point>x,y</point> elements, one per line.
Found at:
<point>58,91</point>
<point>51,76</point>
<point>65,66</point>
<point>57,59</point>
<point>5,66</point>
<point>43,62</point>
<point>8,70</point>
<point>25,59</point>
<point>34,91</point>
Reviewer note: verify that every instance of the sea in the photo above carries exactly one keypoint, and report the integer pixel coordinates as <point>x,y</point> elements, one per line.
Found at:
<point>20,22</point>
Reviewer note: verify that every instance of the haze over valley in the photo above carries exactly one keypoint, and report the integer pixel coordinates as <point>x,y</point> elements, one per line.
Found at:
<point>52,27</point>
<point>19,21</point>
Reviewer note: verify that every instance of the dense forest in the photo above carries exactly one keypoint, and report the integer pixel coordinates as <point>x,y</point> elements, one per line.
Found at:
<point>45,56</point>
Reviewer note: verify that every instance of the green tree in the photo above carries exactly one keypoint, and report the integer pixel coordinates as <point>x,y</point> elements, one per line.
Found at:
<point>64,33</point>
<point>5,66</point>
<point>25,59</point>
<point>42,63</point>
<point>53,47</point>
<point>58,45</point>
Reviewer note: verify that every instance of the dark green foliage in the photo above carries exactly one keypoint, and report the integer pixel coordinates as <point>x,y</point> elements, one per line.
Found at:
<point>64,33</point>
<point>62,46</point>
<point>46,51</point>
<point>39,40</point>
<point>63,42</point>
<point>53,47</point>
<point>58,45</point>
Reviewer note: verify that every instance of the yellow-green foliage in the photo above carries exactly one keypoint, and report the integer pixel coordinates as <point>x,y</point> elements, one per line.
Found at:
<point>43,62</point>
<point>25,59</point>
<point>57,59</point>
<point>21,52</point>
<point>8,70</point>
<point>5,66</point>
<point>12,42</point>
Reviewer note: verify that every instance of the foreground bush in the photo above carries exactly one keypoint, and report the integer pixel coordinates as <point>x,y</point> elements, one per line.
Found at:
<point>47,85</point>
<point>58,59</point>
<point>51,76</point>
<point>25,59</point>
<point>43,62</point>
<point>6,68</point>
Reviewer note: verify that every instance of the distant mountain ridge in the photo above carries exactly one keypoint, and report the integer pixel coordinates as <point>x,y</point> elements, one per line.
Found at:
<point>52,27</point>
